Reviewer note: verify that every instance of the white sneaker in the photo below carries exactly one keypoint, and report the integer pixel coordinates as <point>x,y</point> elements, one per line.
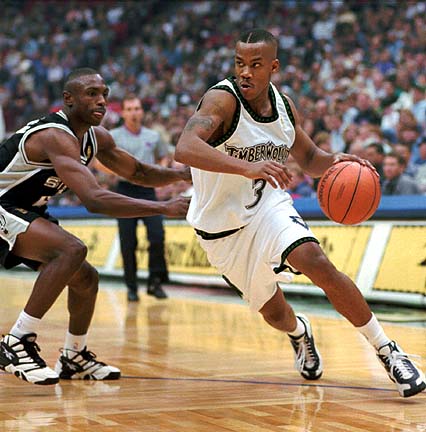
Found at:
<point>20,357</point>
<point>307,358</point>
<point>402,371</point>
<point>83,365</point>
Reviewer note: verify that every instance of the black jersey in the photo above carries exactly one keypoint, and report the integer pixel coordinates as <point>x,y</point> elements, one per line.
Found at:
<point>30,184</point>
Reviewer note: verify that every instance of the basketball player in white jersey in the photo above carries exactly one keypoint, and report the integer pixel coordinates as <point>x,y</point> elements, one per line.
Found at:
<point>41,160</point>
<point>237,142</point>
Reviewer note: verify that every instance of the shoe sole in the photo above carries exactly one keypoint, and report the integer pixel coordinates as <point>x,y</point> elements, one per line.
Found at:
<point>21,375</point>
<point>87,377</point>
<point>159,297</point>
<point>411,391</point>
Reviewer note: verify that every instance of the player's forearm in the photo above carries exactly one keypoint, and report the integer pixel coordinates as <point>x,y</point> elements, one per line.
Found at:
<point>318,162</point>
<point>156,175</point>
<point>199,154</point>
<point>116,205</point>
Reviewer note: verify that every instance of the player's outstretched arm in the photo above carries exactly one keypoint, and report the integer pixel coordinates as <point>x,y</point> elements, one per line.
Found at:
<point>125,165</point>
<point>211,121</point>
<point>64,152</point>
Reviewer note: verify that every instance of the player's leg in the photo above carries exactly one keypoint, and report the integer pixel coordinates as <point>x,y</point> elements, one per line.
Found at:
<point>61,255</point>
<point>348,300</point>
<point>280,315</point>
<point>156,259</point>
<point>76,362</point>
<point>127,229</point>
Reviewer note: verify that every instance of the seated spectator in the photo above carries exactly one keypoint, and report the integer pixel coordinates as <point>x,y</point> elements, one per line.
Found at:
<point>419,104</point>
<point>405,151</point>
<point>300,185</point>
<point>375,153</point>
<point>366,111</point>
<point>420,164</point>
<point>323,141</point>
<point>395,181</point>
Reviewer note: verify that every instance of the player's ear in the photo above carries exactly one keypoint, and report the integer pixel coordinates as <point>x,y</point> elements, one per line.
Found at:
<point>68,99</point>
<point>275,65</point>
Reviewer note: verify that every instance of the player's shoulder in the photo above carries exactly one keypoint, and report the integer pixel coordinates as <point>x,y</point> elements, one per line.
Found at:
<point>219,100</point>
<point>103,135</point>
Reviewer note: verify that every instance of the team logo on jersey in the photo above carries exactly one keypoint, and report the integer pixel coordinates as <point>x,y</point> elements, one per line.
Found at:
<point>55,183</point>
<point>3,223</point>
<point>298,220</point>
<point>259,152</point>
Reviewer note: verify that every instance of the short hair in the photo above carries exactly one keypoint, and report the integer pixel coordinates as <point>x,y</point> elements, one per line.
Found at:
<point>77,73</point>
<point>398,157</point>
<point>130,96</point>
<point>258,35</point>
<point>378,147</point>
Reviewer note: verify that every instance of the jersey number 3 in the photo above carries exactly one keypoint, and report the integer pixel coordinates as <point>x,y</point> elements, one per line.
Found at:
<point>258,186</point>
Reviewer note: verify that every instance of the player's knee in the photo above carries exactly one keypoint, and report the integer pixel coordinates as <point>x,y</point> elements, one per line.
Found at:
<point>274,317</point>
<point>77,251</point>
<point>86,279</point>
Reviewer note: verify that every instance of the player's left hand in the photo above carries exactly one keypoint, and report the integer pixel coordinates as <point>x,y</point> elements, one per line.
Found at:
<point>340,157</point>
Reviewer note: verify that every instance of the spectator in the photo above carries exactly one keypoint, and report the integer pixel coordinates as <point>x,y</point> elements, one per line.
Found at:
<point>395,181</point>
<point>420,164</point>
<point>375,153</point>
<point>405,151</point>
<point>338,67</point>
<point>300,185</point>
<point>366,112</point>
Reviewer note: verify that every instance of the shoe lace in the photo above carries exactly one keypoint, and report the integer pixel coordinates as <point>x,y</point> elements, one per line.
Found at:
<point>305,352</point>
<point>90,357</point>
<point>402,363</point>
<point>33,349</point>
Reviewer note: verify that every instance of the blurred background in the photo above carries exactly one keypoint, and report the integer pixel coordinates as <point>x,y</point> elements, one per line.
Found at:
<point>356,69</point>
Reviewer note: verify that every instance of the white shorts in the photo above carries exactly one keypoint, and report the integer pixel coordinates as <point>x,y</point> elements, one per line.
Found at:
<point>253,259</point>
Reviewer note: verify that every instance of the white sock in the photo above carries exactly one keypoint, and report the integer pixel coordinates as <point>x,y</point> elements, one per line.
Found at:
<point>299,330</point>
<point>25,324</point>
<point>73,342</point>
<point>374,333</point>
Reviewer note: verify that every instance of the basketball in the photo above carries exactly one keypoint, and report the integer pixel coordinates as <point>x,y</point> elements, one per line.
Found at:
<point>349,193</point>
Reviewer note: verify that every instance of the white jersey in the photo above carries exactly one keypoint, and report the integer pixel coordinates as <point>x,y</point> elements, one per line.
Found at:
<point>223,202</point>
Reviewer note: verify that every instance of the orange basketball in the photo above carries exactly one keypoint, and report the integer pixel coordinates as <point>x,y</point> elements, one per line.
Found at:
<point>349,193</point>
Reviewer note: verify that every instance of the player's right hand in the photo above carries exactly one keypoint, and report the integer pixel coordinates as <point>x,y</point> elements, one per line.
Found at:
<point>177,207</point>
<point>273,172</point>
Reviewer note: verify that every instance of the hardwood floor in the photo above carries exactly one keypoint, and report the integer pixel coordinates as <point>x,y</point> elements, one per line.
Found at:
<point>201,366</point>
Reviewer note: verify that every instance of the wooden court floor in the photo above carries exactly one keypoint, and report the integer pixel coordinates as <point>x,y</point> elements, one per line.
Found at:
<point>191,365</point>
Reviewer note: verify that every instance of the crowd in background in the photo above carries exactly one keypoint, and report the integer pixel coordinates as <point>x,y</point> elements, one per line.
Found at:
<point>355,69</point>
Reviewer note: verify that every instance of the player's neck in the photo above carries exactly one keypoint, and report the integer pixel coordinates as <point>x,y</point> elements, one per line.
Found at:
<point>262,105</point>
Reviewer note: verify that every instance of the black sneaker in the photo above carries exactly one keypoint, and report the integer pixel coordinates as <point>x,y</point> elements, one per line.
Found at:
<point>307,358</point>
<point>132,296</point>
<point>83,365</point>
<point>155,289</point>
<point>20,357</point>
<point>408,378</point>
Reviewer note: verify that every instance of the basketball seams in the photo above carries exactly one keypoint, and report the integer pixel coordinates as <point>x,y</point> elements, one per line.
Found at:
<point>349,192</point>
<point>336,175</point>
<point>353,192</point>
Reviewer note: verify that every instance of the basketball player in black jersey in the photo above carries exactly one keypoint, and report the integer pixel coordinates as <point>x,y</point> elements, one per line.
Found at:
<point>43,159</point>
<point>236,122</point>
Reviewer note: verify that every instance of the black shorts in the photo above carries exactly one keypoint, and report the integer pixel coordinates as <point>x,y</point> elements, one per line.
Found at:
<point>15,220</point>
